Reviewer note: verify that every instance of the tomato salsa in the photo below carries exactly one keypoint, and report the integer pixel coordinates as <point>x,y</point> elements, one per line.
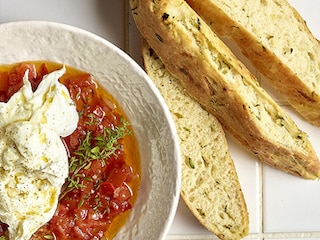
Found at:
<point>104,164</point>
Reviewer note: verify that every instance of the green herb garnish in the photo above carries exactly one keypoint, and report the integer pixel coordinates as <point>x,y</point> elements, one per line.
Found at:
<point>93,148</point>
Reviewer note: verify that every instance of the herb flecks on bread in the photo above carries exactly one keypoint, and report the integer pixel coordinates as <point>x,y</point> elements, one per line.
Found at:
<point>213,76</point>
<point>210,186</point>
<point>277,41</point>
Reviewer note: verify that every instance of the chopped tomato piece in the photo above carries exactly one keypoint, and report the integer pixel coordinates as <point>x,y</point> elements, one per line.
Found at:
<point>118,176</point>
<point>4,79</point>
<point>122,193</point>
<point>42,71</point>
<point>17,73</point>
<point>15,81</point>
<point>106,188</point>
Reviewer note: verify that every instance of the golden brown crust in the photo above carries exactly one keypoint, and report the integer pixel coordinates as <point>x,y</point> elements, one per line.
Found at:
<point>213,76</point>
<point>284,72</point>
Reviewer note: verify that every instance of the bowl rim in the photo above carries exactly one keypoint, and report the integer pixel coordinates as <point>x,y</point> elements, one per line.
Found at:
<point>147,80</point>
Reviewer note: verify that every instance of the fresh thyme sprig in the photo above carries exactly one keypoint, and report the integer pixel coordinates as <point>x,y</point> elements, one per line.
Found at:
<point>93,148</point>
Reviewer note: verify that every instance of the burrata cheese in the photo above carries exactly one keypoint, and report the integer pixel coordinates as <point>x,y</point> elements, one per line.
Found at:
<point>33,159</point>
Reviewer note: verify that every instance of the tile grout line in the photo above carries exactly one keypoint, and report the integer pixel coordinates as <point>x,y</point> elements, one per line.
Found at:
<point>126,29</point>
<point>261,180</point>
<point>261,202</point>
<point>253,236</point>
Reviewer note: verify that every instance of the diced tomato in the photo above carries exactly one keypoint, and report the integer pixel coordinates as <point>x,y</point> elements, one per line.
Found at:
<point>107,189</point>
<point>17,73</point>
<point>82,89</point>
<point>16,76</point>
<point>42,71</point>
<point>117,207</point>
<point>4,84</point>
<point>74,140</point>
<point>118,176</point>
<point>4,81</point>
<point>123,193</point>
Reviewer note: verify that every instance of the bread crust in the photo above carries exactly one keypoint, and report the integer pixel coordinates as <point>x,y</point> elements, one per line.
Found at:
<point>211,74</point>
<point>284,50</point>
<point>210,186</point>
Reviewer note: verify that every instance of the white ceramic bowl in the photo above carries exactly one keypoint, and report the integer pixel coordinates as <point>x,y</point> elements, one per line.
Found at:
<point>157,201</point>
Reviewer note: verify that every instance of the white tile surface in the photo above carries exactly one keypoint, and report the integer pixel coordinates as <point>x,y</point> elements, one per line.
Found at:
<point>291,204</point>
<point>293,237</point>
<point>280,206</point>
<point>104,18</point>
<point>249,172</point>
<point>309,10</point>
